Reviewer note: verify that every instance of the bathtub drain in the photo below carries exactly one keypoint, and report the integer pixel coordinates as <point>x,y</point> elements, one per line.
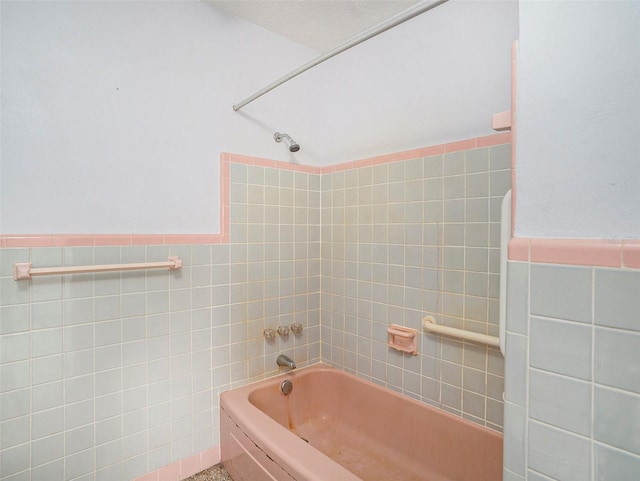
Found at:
<point>286,387</point>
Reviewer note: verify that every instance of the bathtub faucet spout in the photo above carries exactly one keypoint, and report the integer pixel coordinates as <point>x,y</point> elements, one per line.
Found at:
<point>286,361</point>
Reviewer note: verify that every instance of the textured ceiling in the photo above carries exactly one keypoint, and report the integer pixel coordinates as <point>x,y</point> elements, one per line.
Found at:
<point>318,24</point>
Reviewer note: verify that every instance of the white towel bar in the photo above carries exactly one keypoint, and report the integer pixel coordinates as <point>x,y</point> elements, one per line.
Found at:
<point>23,270</point>
<point>429,325</point>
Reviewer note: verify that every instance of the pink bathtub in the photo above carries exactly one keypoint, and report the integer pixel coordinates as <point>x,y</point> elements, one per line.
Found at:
<point>337,427</point>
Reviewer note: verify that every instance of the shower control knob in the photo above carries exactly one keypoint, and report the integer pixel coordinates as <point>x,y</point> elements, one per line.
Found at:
<point>269,334</point>
<point>283,330</point>
<point>296,328</point>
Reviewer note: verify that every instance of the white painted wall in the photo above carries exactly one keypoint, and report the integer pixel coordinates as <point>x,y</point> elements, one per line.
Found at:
<point>114,114</point>
<point>578,153</point>
<point>436,78</point>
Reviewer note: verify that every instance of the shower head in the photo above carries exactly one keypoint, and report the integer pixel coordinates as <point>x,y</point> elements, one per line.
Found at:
<point>293,145</point>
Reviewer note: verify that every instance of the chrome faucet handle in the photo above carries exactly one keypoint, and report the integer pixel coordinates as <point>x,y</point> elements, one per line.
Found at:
<point>269,334</point>
<point>296,328</point>
<point>283,330</point>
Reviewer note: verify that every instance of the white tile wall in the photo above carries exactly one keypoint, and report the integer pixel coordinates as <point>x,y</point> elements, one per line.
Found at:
<point>549,350</point>
<point>561,292</point>
<point>571,391</point>
<point>560,401</point>
<point>406,239</point>
<point>109,376</point>
<point>612,464</point>
<point>557,453</point>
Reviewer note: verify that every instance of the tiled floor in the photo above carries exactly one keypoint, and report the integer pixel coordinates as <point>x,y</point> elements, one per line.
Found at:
<point>215,473</point>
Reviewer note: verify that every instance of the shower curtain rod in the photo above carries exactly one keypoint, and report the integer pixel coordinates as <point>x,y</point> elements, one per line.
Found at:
<point>394,21</point>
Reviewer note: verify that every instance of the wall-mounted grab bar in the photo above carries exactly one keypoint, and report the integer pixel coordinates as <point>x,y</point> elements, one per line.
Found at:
<point>23,270</point>
<point>429,324</point>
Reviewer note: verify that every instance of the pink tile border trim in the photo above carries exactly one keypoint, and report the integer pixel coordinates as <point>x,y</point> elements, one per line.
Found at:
<point>631,253</point>
<point>277,164</point>
<point>501,121</point>
<point>518,249</point>
<point>71,240</point>
<point>185,467</point>
<point>68,240</point>
<point>585,252</point>
<point>614,253</point>
<point>476,143</point>
<point>514,130</point>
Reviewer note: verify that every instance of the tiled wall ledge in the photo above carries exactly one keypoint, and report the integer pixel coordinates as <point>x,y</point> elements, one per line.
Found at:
<point>79,240</point>
<point>580,252</point>
<point>184,468</point>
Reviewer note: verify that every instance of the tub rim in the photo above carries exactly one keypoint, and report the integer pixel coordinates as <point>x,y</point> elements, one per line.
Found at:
<point>266,431</point>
